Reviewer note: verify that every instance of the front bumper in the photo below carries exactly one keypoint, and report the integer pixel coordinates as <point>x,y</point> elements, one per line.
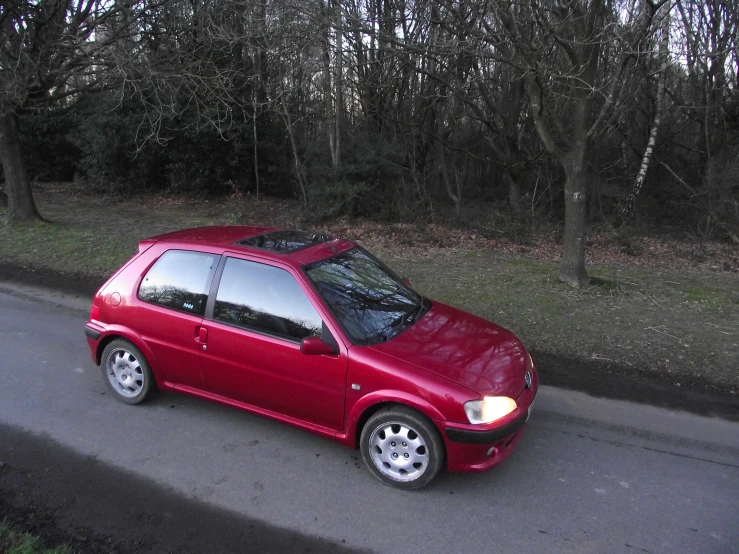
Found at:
<point>473,448</point>
<point>475,436</point>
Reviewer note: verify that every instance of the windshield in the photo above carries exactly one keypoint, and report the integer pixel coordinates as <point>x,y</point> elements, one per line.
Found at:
<point>370,303</point>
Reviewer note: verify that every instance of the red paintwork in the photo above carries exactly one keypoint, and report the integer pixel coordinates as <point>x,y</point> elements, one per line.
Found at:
<point>445,359</point>
<point>321,251</point>
<point>315,346</point>
<point>224,236</point>
<point>463,348</point>
<point>272,373</point>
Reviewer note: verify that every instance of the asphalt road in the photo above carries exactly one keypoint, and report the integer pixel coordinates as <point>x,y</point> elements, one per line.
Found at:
<point>590,475</point>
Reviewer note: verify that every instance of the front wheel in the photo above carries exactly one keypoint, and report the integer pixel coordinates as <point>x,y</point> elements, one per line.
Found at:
<point>127,372</point>
<point>402,448</point>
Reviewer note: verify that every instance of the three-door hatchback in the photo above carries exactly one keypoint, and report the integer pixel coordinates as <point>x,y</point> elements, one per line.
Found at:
<point>316,332</point>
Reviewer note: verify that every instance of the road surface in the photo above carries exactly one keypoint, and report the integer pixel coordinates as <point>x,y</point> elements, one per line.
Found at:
<point>590,475</point>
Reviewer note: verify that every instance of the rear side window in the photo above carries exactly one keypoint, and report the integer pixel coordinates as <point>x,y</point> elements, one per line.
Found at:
<point>265,298</point>
<point>180,280</point>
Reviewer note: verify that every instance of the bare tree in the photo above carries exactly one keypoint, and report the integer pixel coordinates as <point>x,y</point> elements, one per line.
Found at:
<point>51,50</point>
<point>427,105</point>
<point>558,46</point>
<point>171,54</point>
<point>708,114</point>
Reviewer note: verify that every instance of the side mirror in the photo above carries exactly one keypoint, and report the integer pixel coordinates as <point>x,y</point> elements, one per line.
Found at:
<point>407,281</point>
<point>316,346</point>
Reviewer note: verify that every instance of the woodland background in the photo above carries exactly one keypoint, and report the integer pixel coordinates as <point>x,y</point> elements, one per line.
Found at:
<point>570,113</point>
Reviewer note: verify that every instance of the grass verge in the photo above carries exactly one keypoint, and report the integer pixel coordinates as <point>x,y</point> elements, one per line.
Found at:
<point>680,327</point>
<point>673,326</point>
<point>13,541</point>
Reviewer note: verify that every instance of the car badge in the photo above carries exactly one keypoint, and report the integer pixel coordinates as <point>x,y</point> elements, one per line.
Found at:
<point>527,378</point>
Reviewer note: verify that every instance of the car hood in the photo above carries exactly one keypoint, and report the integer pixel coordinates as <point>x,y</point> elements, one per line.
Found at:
<point>464,348</point>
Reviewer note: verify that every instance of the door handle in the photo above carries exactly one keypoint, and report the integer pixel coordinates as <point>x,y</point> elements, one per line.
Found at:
<point>202,335</point>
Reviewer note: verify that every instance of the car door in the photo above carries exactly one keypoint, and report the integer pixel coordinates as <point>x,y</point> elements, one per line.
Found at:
<point>255,324</point>
<point>171,301</point>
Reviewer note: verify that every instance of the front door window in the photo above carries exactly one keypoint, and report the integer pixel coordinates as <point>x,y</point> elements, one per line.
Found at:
<point>266,299</point>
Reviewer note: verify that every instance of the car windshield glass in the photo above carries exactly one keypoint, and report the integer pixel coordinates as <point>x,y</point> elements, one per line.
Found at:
<point>370,303</point>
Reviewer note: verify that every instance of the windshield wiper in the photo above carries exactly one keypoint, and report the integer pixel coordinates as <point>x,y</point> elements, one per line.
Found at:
<point>386,332</point>
<point>411,316</point>
<point>407,317</point>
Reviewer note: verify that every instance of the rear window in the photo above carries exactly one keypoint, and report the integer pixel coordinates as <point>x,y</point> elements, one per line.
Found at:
<point>180,280</point>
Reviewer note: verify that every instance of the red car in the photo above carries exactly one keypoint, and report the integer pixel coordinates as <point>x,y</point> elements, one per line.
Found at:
<point>316,332</point>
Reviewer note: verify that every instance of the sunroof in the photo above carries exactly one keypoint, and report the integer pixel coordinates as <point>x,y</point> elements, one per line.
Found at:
<point>284,241</point>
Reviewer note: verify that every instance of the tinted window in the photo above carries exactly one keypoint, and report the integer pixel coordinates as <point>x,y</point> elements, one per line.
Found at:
<point>180,280</point>
<point>265,298</point>
<point>367,299</point>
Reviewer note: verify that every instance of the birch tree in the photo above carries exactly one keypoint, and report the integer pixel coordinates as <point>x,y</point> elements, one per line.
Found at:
<point>664,60</point>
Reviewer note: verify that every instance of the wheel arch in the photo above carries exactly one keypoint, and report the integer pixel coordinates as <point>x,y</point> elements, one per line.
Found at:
<point>365,408</point>
<point>114,333</point>
<point>102,343</point>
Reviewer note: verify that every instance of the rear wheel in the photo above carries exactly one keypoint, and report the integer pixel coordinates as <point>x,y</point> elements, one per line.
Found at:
<point>127,372</point>
<point>402,448</point>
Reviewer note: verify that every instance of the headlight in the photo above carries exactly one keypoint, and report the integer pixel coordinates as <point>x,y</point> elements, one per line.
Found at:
<point>489,409</point>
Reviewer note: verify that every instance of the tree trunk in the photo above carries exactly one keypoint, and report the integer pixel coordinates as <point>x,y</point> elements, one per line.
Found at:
<point>339,83</point>
<point>514,192</point>
<point>21,206</point>
<point>256,142</point>
<point>458,184</point>
<point>595,211</point>
<point>327,87</point>
<point>572,268</point>
<point>456,198</point>
<point>293,144</point>
<point>664,54</point>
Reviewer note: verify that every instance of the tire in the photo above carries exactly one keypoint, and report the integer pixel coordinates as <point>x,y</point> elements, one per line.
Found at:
<point>402,448</point>
<point>126,372</point>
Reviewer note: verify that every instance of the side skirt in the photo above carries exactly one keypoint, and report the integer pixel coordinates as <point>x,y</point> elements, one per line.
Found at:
<point>325,432</point>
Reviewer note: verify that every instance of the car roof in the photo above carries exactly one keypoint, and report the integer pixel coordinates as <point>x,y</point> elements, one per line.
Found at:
<point>298,247</point>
